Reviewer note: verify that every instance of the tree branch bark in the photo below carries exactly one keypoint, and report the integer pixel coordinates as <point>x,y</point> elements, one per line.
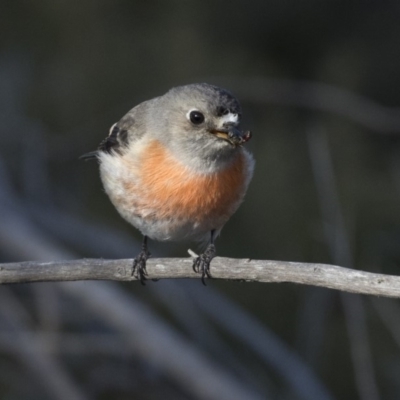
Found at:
<point>324,275</point>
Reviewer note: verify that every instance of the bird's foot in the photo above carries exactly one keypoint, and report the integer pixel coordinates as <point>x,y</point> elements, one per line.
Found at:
<point>201,264</point>
<point>139,266</point>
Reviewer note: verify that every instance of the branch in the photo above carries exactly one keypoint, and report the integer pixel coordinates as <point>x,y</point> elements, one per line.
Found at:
<point>329,276</point>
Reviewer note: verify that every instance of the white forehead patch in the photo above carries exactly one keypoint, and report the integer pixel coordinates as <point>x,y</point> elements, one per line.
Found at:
<point>230,117</point>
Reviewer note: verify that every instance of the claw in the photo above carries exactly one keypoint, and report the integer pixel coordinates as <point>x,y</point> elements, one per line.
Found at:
<point>202,263</point>
<point>139,263</point>
<point>139,266</point>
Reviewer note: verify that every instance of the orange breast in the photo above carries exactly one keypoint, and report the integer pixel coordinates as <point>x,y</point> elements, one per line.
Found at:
<point>171,190</point>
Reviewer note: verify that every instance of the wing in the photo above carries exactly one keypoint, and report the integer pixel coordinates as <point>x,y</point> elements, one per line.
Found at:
<point>120,134</point>
<point>116,139</point>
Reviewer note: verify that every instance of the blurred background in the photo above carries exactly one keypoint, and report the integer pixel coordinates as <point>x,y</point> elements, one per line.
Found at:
<point>319,84</point>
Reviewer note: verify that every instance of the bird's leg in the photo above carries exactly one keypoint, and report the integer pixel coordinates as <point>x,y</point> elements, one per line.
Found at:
<point>202,263</point>
<point>139,263</point>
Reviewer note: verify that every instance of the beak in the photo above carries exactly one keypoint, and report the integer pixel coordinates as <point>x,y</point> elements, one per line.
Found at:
<point>232,135</point>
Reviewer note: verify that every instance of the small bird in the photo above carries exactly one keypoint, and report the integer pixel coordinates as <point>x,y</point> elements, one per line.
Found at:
<point>174,167</point>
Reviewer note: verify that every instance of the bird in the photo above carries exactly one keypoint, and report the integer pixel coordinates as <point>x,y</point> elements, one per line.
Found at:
<point>175,168</point>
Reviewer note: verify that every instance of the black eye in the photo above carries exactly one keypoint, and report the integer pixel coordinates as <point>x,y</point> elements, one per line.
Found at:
<point>196,117</point>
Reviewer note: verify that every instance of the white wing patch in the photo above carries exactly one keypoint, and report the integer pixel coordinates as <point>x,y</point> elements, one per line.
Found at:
<point>111,129</point>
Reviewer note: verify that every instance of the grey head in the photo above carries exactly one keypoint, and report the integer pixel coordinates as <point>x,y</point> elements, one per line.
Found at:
<point>199,120</point>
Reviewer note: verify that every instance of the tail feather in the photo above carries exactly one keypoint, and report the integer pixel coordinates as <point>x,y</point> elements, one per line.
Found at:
<point>89,156</point>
